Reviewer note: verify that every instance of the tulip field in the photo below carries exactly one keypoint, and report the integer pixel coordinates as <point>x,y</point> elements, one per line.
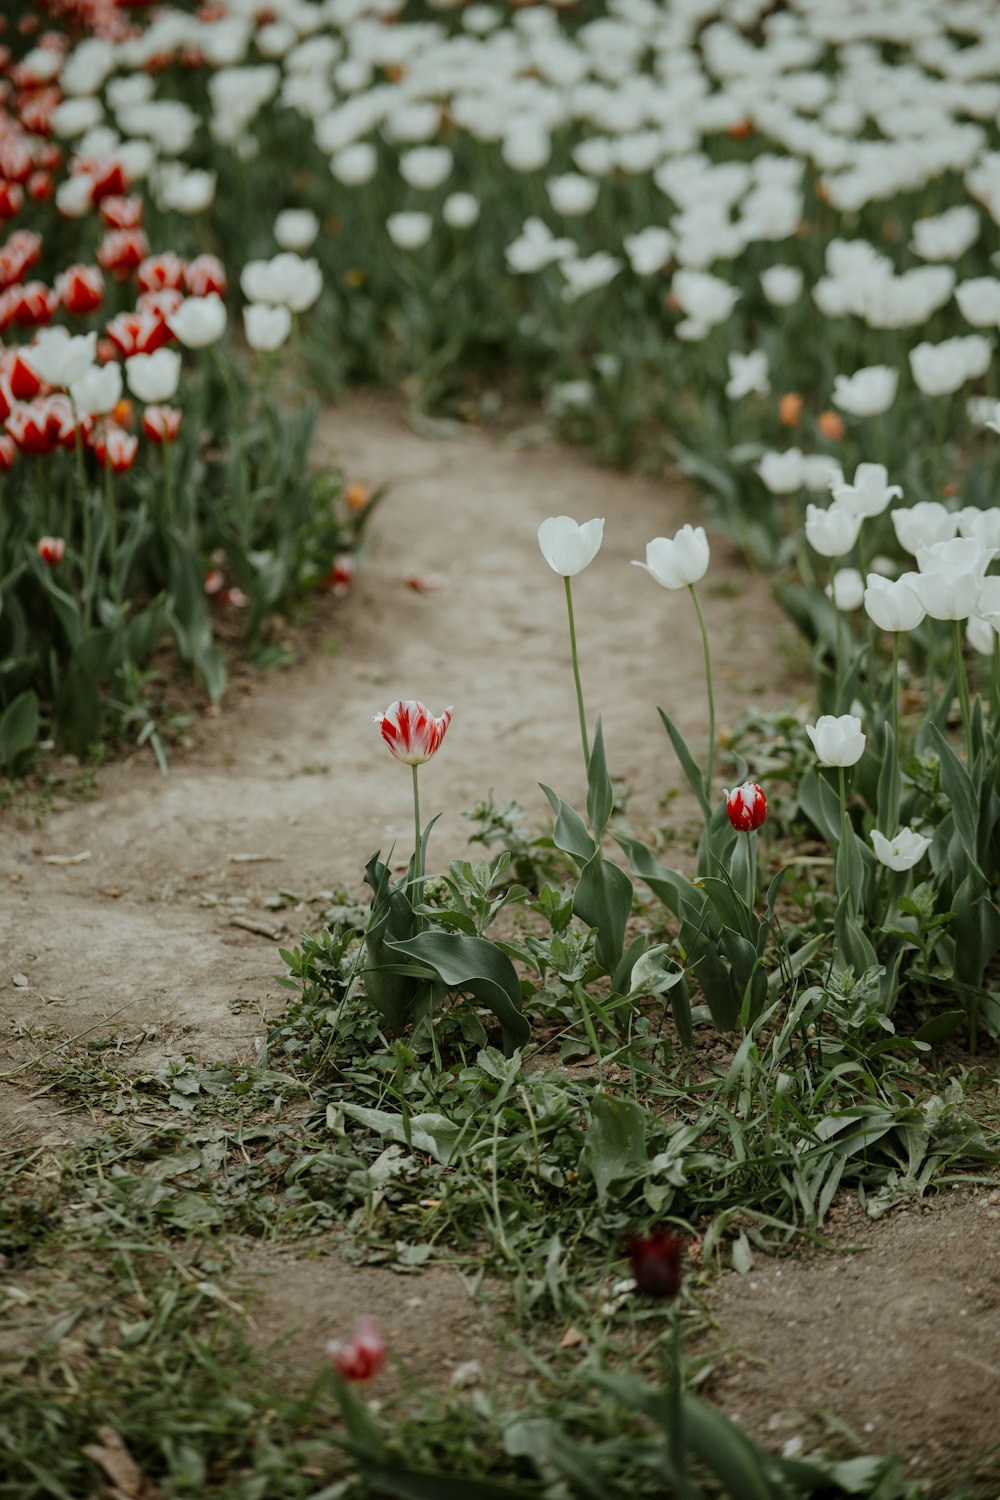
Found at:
<point>483,1021</point>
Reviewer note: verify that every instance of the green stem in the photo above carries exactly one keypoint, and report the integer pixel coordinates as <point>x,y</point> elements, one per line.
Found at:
<point>576,678</point>
<point>845,827</point>
<point>752,865</point>
<point>895,694</point>
<point>109,500</point>
<point>418,871</point>
<point>168,486</point>
<point>963,691</point>
<point>708,689</point>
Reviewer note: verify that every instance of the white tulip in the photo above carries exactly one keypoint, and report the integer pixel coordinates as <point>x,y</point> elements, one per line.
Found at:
<point>781,472</point>
<point>923,524</point>
<point>567,547</point>
<point>59,357</point>
<point>426,167</point>
<point>154,377</point>
<point>572,195</point>
<point>831,532</point>
<point>199,321</point>
<point>846,589</point>
<point>870,494</point>
<point>678,561</point>
<point>866,393</point>
<point>902,851</point>
<point>296,228</point>
<point>838,741</point>
<point>893,605</point>
<point>98,391</point>
<point>460,210</point>
<point>266,327</point>
<point>781,285</point>
<point>409,229</point>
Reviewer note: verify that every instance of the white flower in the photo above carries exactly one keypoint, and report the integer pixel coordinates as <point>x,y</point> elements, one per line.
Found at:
<point>950,577</point>
<point>870,494</point>
<point>941,369</point>
<point>426,167</point>
<point>536,247</point>
<point>923,524</point>
<point>678,561</point>
<point>902,851</point>
<point>649,250</point>
<point>866,393</point>
<point>409,229</point>
<point>154,377</point>
<point>460,210</point>
<point>355,164</point>
<point>98,390</point>
<point>266,327</point>
<point>838,741</point>
<point>588,273</point>
<point>781,472</point>
<point>988,602</point>
<point>979,301</point>
<point>893,605</point>
<point>75,196</point>
<point>748,374</point>
<point>191,193</point>
<point>833,531</point>
<point>983,525</point>
<point>59,357</point>
<point>781,285</point>
<point>707,300</point>
<point>981,635</point>
<point>296,228</point>
<point>572,195</point>
<point>567,547</point>
<point>846,589</point>
<point>199,321</point>
<point>947,236</point>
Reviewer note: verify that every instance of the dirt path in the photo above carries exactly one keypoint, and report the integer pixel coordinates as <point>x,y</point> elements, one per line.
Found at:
<point>297,772</point>
<point>137,939</point>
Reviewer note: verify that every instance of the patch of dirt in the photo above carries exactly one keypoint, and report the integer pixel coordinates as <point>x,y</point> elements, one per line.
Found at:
<point>896,1333</point>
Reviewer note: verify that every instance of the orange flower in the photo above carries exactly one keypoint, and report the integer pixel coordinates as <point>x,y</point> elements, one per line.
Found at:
<point>741,131</point>
<point>357,496</point>
<point>831,425</point>
<point>122,413</point>
<point>790,409</point>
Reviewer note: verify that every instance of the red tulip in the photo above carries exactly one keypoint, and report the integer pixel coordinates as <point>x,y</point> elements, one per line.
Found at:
<point>108,180</point>
<point>40,186</point>
<point>18,376</point>
<point>162,304</point>
<point>121,213</point>
<point>746,806</point>
<point>32,303</point>
<point>159,271</point>
<point>121,251</point>
<point>115,448</point>
<point>81,289</point>
<point>363,1357</point>
<point>656,1262</point>
<point>51,549</point>
<point>8,453</point>
<point>205,274</point>
<point>39,426</point>
<point>11,199</point>
<point>411,731</point>
<point>138,333</point>
<point>21,252</point>
<point>161,424</point>
<point>15,160</point>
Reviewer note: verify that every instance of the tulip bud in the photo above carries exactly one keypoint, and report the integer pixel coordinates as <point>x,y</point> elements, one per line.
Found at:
<point>363,1357</point>
<point>567,547</point>
<point>838,741</point>
<point>51,549</point>
<point>411,731</point>
<point>746,806</point>
<point>656,1262</point>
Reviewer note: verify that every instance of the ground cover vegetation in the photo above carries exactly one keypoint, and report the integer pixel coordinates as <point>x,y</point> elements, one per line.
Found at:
<point>754,238</point>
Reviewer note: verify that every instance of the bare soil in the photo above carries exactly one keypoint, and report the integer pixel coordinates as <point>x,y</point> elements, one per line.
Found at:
<point>290,787</point>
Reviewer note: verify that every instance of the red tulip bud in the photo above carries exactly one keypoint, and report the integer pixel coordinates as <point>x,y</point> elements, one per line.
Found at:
<point>746,806</point>
<point>51,549</point>
<point>363,1357</point>
<point>656,1262</point>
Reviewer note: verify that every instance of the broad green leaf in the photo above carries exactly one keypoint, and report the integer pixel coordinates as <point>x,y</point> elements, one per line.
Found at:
<point>852,944</point>
<point>478,966</point>
<point>604,901</point>
<point>958,788</point>
<point>18,731</point>
<point>743,1469</point>
<point>696,780</point>
<point>614,1147</point>
<point>670,885</point>
<point>600,793</point>
<point>939,1028</point>
<point>393,995</point>
<point>79,704</point>
<point>433,1133</point>
<point>976,929</point>
<point>411,1484</point>
<point>821,805</point>
<point>570,831</point>
<point>890,786</point>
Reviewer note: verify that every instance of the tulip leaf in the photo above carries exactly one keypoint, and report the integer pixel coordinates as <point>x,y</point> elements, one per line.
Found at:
<point>852,945</point>
<point>412,1484</point>
<point>615,1143</point>
<point>433,1133</point>
<point>604,901</point>
<point>670,885</point>
<point>890,786</point>
<point>18,731</point>
<point>818,800</point>
<point>600,793</point>
<point>79,704</point>
<point>570,831</point>
<point>395,996</point>
<point>696,780</point>
<point>958,788</point>
<point>478,966</point>
<point>737,1462</point>
<point>976,928</point>
<point>188,616</point>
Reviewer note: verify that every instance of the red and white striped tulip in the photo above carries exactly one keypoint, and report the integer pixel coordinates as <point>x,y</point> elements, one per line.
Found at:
<point>411,731</point>
<point>363,1357</point>
<point>51,549</point>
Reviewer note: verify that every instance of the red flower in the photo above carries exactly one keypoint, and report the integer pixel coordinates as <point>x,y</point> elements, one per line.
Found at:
<point>36,110</point>
<point>746,806</point>
<point>40,186</point>
<point>8,453</point>
<point>114,448</point>
<point>11,199</point>
<point>18,376</point>
<point>159,271</point>
<point>107,178</point>
<point>161,424</point>
<point>340,576</point>
<point>121,213</point>
<point>363,1357</point>
<point>162,304</point>
<point>37,426</point>
<point>656,1262</point>
<point>411,730</point>
<point>51,549</point>
<point>205,274</point>
<point>121,251</point>
<point>32,303</point>
<point>138,333</point>
<point>80,289</point>
<point>15,160</point>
